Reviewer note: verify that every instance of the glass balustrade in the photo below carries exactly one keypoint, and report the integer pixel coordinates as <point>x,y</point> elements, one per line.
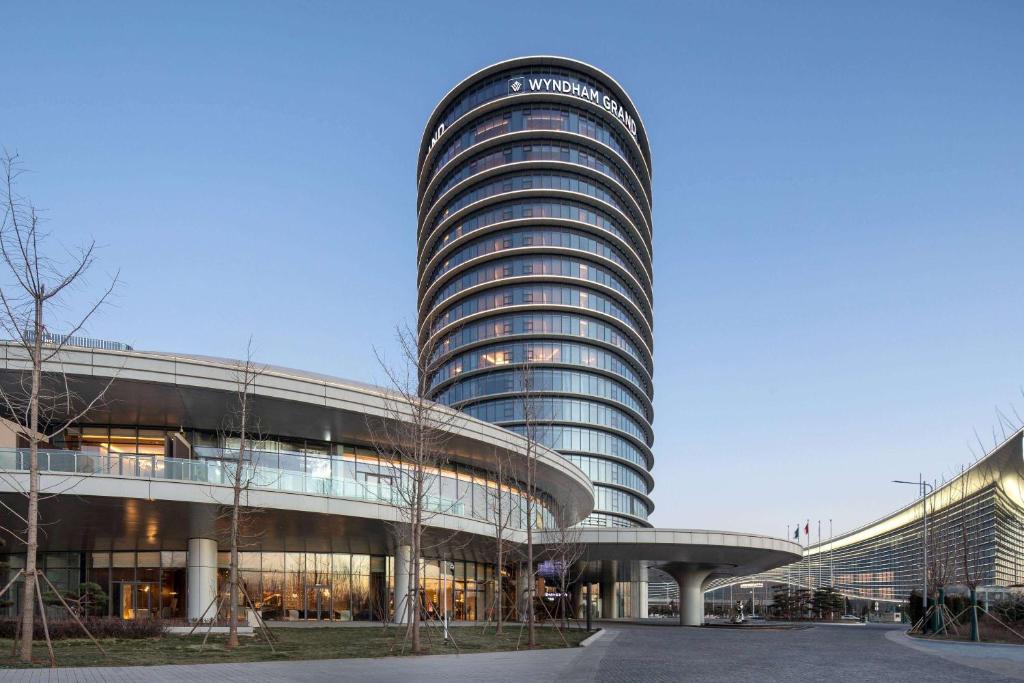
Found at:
<point>217,472</point>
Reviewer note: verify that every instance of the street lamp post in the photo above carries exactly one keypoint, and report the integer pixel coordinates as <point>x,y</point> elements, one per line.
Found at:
<point>925,488</point>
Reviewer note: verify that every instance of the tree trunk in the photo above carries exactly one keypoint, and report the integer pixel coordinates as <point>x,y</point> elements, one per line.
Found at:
<point>940,616</point>
<point>563,599</point>
<point>532,636</point>
<point>32,540</point>
<point>499,525</point>
<point>414,624</point>
<point>233,571</point>
<point>975,633</point>
<point>499,593</point>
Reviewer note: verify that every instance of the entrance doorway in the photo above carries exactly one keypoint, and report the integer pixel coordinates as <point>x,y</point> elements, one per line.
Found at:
<point>136,599</point>
<point>319,604</point>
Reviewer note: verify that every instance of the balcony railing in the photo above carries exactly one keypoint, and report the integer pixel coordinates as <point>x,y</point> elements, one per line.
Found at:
<point>217,472</point>
<point>80,342</point>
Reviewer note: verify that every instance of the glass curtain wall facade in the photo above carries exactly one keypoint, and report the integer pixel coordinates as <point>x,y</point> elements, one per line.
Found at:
<point>534,268</point>
<point>283,585</point>
<point>975,534</point>
<point>297,465</point>
<point>986,531</point>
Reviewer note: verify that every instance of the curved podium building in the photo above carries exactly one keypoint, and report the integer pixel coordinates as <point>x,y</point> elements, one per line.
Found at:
<point>134,492</point>
<point>534,251</point>
<point>134,496</point>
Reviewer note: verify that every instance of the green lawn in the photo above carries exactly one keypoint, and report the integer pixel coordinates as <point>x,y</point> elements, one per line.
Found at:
<point>295,644</point>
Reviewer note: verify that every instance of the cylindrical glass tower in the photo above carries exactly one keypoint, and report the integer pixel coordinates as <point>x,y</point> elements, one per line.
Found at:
<point>534,207</point>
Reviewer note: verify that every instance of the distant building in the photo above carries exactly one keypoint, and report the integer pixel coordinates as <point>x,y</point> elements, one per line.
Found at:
<point>980,512</point>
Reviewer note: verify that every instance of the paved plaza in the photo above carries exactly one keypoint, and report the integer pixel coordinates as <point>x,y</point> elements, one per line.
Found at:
<point>634,653</point>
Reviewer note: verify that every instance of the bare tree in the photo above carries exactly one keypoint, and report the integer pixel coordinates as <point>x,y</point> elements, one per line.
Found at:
<point>530,413</point>
<point>243,473</point>
<point>501,510</point>
<point>970,551</point>
<point>412,440</point>
<point>942,558</point>
<point>41,409</point>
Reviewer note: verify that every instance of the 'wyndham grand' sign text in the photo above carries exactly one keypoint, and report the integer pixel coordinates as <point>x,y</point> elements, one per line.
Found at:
<point>524,84</point>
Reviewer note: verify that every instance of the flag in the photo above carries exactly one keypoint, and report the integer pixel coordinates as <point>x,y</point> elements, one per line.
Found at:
<point>807,529</point>
<point>796,533</point>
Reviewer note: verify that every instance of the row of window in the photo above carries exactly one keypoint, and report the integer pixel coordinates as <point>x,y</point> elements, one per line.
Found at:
<point>888,565</point>
<point>600,519</point>
<point>607,472</point>
<point>334,586</point>
<point>613,500</point>
<point>533,208</point>
<point>541,380</point>
<point>560,151</point>
<point>549,180</point>
<point>583,439</point>
<point>551,295</point>
<point>468,490</point>
<point>541,323</point>
<point>568,353</point>
<point>545,410</point>
<point>567,238</point>
<point>497,87</point>
<point>536,265</point>
<point>513,119</point>
<point>458,489</point>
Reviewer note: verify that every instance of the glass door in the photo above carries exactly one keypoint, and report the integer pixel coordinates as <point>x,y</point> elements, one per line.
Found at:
<point>137,599</point>
<point>318,602</point>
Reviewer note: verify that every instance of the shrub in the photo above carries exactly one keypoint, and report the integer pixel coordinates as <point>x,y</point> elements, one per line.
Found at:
<point>99,627</point>
<point>1010,609</point>
<point>90,598</point>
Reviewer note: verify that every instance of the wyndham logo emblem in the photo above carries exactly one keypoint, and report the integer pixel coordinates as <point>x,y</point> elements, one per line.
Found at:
<point>516,85</point>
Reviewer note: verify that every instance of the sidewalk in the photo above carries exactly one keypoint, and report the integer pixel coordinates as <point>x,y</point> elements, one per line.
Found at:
<point>997,658</point>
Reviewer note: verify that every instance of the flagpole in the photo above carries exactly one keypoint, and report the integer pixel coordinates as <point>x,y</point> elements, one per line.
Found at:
<point>819,553</point>
<point>831,564</point>
<point>789,586</point>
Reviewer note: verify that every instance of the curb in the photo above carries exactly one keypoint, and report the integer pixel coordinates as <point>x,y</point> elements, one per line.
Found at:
<point>924,642</point>
<point>590,641</point>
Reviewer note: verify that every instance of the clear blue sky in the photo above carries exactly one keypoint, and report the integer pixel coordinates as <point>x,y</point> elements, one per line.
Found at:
<point>838,197</point>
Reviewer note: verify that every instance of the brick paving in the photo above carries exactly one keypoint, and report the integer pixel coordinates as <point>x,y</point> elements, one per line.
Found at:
<point>820,653</point>
<point>627,653</point>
